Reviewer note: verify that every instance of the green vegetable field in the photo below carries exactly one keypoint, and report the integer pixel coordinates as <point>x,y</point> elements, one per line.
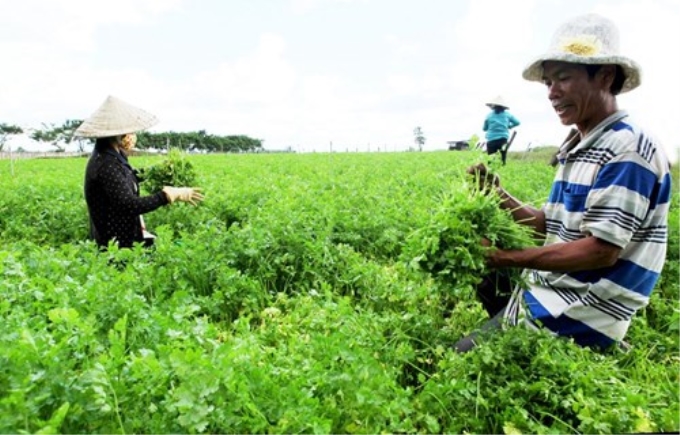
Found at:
<point>308,293</point>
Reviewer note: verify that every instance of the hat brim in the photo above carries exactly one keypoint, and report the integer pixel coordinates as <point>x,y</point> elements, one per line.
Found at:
<point>492,105</point>
<point>113,118</point>
<point>96,132</point>
<point>534,71</point>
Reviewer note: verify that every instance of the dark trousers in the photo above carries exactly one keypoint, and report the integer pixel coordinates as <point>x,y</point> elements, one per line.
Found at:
<point>494,294</point>
<point>496,145</point>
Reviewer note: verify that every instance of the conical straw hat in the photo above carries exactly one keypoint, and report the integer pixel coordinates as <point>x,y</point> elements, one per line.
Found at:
<point>497,101</point>
<point>115,117</point>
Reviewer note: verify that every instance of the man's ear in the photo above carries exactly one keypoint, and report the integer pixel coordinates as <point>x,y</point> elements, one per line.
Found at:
<point>607,74</point>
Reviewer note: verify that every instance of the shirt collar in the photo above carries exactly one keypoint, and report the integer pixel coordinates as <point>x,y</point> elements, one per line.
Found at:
<point>575,143</point>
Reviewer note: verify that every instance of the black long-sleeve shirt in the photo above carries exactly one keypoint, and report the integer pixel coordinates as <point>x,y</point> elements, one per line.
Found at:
<point>113,201</point>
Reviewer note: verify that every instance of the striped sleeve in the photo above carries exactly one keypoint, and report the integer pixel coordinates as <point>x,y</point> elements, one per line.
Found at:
<point>620,199</point>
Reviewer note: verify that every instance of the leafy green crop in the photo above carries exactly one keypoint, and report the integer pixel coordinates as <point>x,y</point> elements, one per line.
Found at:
<point>450,244</point>
<point>309,293</point>
<point>174,170</point>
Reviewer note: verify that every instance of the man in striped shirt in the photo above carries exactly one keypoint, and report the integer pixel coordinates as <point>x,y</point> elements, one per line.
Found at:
<point>605,222</point>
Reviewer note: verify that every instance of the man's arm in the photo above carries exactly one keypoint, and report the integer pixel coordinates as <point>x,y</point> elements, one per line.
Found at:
<point>522,213</point>
<point>584,254</point>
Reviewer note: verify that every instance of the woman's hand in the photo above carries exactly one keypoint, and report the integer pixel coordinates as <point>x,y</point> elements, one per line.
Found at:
<point>191,195</point>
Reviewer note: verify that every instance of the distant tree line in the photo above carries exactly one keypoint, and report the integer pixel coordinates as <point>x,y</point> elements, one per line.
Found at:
<point>198,141</point>
<point>57,135</point>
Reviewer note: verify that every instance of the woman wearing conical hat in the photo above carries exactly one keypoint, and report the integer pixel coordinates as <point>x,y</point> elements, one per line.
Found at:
<point>497,126</point>
<point>111,185</point>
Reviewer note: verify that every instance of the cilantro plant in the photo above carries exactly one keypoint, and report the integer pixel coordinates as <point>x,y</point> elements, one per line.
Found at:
<point>175,170</point>
<point>309,293</point>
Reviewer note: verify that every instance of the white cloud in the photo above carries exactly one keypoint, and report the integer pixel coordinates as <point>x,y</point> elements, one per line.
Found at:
<point>269,87</point>
<point>263,77</point>
<point>492,28</point>
<point>45,46</point>
<point>69,25</point>
<point>306,6</point>
<point>400,46</point>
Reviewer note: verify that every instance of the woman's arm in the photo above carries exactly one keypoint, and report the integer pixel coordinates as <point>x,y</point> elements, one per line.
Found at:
<point>121,192</point>
<point>513,122</point>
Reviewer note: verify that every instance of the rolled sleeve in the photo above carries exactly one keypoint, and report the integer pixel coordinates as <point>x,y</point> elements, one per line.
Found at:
<point>619,202</point>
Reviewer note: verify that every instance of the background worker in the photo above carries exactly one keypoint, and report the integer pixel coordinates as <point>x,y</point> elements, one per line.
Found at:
<point>497,126</point>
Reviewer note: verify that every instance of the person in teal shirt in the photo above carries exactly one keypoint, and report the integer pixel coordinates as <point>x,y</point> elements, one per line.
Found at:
<point>497,126</point>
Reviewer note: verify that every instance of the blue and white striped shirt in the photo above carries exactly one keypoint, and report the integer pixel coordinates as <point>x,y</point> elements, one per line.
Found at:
<point>615,185</point>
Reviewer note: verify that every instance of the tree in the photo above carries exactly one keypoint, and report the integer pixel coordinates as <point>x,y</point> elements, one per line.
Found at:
<point>58,135</point>
<point>69,128</point>
<point>419,137</point>
<point>5,131</point>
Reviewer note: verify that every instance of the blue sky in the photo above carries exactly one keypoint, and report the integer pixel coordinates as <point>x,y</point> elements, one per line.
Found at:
<point>304,73</point>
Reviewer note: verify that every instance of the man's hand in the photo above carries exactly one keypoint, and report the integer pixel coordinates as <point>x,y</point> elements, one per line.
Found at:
<point>490,253</point>
<point>485,179</point>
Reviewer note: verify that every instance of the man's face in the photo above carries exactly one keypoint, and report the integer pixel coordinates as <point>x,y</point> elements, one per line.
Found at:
<point>575,97</point>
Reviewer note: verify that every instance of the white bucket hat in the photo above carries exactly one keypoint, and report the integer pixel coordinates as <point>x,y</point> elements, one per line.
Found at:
<point>587,39</point>
<point>497,101</point>
<point>115,117</point>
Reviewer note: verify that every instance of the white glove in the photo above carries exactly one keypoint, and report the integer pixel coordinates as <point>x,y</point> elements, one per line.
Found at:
<point>185,194</point>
